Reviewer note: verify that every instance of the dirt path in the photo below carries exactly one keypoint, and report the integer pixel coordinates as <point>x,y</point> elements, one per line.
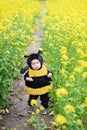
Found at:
<point>18,110</point>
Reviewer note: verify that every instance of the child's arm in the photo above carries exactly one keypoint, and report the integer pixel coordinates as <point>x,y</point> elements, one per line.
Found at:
<point>49,75</point>
<point>27,78</point>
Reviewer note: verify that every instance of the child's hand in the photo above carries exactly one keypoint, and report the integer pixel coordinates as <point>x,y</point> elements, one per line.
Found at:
<point>49,75</point>
<point>29,79</point>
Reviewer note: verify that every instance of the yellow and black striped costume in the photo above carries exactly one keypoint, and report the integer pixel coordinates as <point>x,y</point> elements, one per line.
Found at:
<point>41,84</point>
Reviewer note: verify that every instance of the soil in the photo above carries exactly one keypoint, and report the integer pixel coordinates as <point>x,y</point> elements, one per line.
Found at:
<point>18,109</point>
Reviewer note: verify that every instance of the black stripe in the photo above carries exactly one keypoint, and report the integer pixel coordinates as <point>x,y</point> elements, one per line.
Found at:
<point>38,82</point>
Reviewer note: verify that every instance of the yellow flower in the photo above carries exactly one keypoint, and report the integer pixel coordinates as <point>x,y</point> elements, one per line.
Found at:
<point>28,37</point>
<point>37,111</point>
<point>23,36</point>
<point>33,102</point>
<point>23,44</point>
<point>18,63</point>
<point>79,51</point>
<point>63,71</point>
<point>25,53</point>
<point>83,105</point>
<point>71,77</point>
<point>7,52</point>
<point>14,129</point>
<point>33,42</point>
<point>84,55</point>
<point>63,127</point>
<point>50,37</point>
<point>83,63</point>
<point>84,75</point>
<point>32,113</point>
<point>44,53</point>
<point>54,123</point>
<point>79,121</point>
<point>64,63</point>
<point>68,84</point>
<point>31,30</point>
<point>19,49</point>
<point>78,69</point>
<point>85,99</point>
<point>51,45</point>
<point>46,32</point>
<point>60,119</point>
<point>25,124</point>
<point>61,91</point>
<point>64,57</point>
<point>6,37</point>
<point>41,108</point>
<point>63,50</point>
<point>69,108</point>
<point>14,43</point>
<point>30,120</point>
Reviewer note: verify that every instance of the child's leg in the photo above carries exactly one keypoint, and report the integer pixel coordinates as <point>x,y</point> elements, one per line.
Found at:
<point>32,97</point>
<point>44,100</point>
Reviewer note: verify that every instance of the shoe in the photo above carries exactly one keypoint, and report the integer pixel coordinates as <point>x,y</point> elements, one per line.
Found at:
<point>44,112</point>
<point>31,109</point>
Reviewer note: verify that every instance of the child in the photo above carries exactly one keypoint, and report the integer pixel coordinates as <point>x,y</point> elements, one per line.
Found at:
<point>37,80</point>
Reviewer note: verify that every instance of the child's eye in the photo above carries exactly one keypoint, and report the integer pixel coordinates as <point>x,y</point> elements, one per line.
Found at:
<point>33,64</point>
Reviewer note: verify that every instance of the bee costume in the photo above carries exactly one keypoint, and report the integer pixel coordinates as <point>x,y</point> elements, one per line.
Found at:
<point>41,84</point>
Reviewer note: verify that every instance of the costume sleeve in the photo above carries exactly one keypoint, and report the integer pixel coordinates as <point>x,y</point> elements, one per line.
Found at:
<point>26,75</point>
<point>50,79</point>
<point>23,70</point>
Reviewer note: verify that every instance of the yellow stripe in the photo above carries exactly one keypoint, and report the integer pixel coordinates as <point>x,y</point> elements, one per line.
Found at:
<point>38,91</point>
<point>36,73</point>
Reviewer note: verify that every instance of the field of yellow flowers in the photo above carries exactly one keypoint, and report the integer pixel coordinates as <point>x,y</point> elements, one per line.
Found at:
<point>17,23</point>
<point>64,49</point>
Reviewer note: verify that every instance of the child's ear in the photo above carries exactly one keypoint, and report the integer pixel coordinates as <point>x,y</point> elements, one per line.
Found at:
<point>39,51</point>
<point>26,56</point>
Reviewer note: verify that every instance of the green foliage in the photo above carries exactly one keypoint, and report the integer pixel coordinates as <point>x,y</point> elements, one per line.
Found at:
<point>36,122</point>
<point>15,34</point>
<point>65,51</point>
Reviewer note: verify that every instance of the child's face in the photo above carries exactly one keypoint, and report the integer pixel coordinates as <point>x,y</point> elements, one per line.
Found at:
<point>35,64</point>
